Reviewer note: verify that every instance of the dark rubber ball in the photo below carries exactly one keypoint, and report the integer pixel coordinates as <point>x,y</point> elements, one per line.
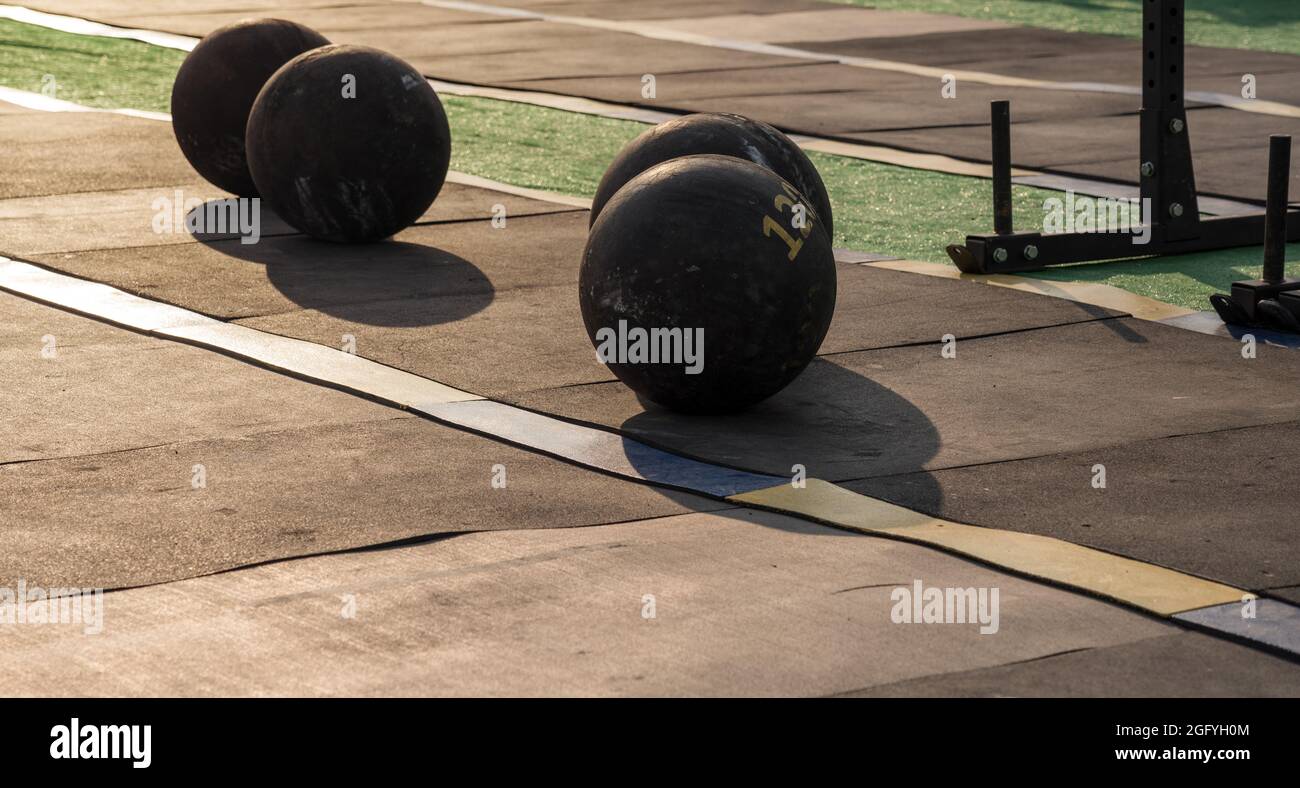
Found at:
<point>215,88</point>
<point>725,135</point>
<point>348,143</point>
<point>705,252</point>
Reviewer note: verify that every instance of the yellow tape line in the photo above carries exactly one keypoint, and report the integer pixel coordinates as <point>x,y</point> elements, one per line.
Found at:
<point>1142,585</point>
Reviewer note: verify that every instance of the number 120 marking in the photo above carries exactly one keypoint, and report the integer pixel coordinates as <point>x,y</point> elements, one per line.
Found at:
<point>771,225</point>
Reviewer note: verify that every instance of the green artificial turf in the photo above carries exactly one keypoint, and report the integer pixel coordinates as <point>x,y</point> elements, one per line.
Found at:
<point>878,207</point>
<point>96,72</point>
<point>536,147</point>
<point>1183,280</point>
<point>912,213</point>
<point>1265,25</point>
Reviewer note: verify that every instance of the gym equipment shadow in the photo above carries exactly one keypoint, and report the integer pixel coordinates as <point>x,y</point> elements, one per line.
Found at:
<point>833,422</point>
<point>374,284</point>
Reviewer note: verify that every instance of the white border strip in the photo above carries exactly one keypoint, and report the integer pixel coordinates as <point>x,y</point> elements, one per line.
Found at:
<point>582,106</point>
<point>293,356</point>
<point>43,103</point>
<point>465,179</point>
<point>72,24</point>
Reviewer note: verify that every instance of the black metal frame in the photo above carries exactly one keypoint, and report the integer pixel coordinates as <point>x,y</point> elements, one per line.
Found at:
<point>1167,179</point>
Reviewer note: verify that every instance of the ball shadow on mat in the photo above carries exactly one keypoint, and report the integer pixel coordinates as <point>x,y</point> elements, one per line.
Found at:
<point>389,283</point>
<point>836,423</point>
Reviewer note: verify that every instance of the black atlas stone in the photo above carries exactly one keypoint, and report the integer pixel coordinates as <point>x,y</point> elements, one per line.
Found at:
<point>215,88</point>
<point>725,135</point>
<point>707,244</point>
<point>348,143</point>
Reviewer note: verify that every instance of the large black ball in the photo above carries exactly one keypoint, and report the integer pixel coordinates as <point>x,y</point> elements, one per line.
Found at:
<point>348,143</point>
<point>725,135</point>
<point>707,242</point>
<point>215,88</point>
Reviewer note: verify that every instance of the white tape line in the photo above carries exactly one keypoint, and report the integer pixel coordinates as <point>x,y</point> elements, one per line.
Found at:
<point>94,299</point>
<point>465,179</point>
<point>556,101</point>
<point>44,103</point>
<point>293,356</point>
<point>72,24</point>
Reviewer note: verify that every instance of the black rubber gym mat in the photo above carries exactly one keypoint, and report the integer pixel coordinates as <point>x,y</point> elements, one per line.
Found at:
<point>555,350</point>
<point>1235,171</point>
<point>1212,129</point>
<point>105,10</point>
<point>667,9</point>
<point>65,152</point>
<point>671,90</point>
<point>749,603</point>
<point>1054,55</point>
<point>134,518</point>
<point>1032,144</point>
<point>1028,394</point>
<point>958,48</point>
<point>1289,593</point>
<point>837,99</point>
<point>533,50</point>
<point>1158,667</point>
<point>439,296</point>
<point>539,40</point>
<point>920,106</point>
<point>524,339</point>
<point>79,387</point>
<point>1051,127</point>
<point>98,469</point>
<point>229,279</point>
<point>658,58</point>
<point>1223,141</point>
<point>329,20</point>
<point>1219,75</point>
<point>52,224</point>
<point>1219,504</point>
